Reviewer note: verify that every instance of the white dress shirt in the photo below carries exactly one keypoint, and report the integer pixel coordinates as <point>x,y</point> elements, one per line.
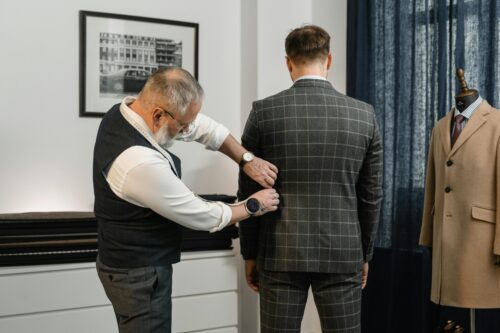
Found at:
<point>144,176</point>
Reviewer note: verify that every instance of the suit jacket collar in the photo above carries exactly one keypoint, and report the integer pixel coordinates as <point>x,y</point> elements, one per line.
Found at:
<point>477,120</point>
<point>313,83</point>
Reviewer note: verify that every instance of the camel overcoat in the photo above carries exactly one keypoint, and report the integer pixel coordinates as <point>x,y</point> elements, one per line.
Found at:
<point>461,211</point>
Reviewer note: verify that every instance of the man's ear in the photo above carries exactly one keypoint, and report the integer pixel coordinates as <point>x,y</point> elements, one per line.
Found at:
<point>329,60</point>
<point>157,114</point>
<point>289,64</point>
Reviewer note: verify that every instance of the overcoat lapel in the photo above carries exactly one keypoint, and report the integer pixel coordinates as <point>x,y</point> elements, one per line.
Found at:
<point>478,119</point>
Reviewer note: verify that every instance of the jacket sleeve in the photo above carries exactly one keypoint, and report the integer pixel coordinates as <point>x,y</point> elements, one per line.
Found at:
<point>369,192</point>
<point>426,231</point>
<point>249,229</point>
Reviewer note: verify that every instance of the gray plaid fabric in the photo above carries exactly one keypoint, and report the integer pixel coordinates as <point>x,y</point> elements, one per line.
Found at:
<point>283,298</point>
<point>328,151</point>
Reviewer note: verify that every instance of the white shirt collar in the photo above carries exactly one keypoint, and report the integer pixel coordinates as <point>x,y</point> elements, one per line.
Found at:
<point>467,113</point>
<point>311,77</point>
<point>128,113</point>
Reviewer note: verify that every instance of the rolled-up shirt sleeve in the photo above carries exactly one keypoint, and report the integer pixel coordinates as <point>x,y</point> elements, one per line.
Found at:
<point>143,177</point>
<point>206,131</point>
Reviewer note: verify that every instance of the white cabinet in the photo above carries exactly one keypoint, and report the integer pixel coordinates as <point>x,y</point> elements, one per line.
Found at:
<point>69,297</point>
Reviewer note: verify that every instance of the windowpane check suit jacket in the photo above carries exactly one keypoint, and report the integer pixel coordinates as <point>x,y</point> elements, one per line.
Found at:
<point>328,151</point>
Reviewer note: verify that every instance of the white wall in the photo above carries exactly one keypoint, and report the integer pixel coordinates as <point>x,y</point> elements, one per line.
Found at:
<point>272,29</point>
<point>265,25</point>
<point>45,148</point>
<point>332,16</point>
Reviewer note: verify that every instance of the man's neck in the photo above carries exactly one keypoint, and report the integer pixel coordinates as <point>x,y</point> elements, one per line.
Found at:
<point>308,70</point>
<point>317,67</point>
<point>136,106</point>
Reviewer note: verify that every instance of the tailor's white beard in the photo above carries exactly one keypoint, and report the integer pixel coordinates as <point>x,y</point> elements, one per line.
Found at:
<point>163,137</point>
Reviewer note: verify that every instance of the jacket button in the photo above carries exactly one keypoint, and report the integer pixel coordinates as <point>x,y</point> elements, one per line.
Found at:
<point>447,189</point>
<point>449,163</point>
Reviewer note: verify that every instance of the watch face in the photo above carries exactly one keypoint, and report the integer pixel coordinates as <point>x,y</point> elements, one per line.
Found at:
<point>253,205</point>
<point>248,156</point>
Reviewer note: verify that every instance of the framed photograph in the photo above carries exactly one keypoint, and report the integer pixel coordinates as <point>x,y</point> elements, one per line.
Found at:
<point>119,52</point>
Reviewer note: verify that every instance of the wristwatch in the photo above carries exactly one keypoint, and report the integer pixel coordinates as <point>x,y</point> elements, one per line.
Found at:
<point>252,206</point>
<point>246,157</point>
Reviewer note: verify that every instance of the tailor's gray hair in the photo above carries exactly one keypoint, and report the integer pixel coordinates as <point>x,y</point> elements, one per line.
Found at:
<point>172,87</point>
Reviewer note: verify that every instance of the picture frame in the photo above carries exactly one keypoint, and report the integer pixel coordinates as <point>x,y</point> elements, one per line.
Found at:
<point>119,52</point>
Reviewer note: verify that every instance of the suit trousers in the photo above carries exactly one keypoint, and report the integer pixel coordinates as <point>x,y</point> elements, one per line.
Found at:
<point>141,297</point>
<point>283,297</point>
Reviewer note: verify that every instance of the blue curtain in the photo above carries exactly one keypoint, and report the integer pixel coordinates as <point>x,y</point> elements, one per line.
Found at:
<point>401,58</point>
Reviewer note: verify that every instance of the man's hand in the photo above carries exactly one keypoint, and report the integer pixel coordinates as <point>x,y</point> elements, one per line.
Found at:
<point>252,274</point>
<point>268,199</point>
<point>364,275</point>
<point>261,171</point>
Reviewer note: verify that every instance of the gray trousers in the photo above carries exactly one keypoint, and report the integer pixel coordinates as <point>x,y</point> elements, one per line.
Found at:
<point>141,297</point>
<point>283,297</point>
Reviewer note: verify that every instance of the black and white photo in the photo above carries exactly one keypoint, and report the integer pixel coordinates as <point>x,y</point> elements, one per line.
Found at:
<point>119,52</point>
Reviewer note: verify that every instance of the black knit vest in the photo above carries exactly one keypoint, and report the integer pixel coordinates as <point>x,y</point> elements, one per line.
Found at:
<point>128,235</point>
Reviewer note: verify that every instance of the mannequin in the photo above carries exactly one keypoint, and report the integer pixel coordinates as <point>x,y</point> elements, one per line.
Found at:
<point>461,220</point>
<point>466,96</point>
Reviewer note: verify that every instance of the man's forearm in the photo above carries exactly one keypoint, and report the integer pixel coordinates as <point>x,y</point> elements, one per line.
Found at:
<point>261,171</point>
<point>232,148</point>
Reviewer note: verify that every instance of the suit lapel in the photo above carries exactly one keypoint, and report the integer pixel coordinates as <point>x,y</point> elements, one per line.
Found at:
<point>479,117</point>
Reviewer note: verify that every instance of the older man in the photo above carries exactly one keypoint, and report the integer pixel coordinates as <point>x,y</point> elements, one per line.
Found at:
<point>140,201</point>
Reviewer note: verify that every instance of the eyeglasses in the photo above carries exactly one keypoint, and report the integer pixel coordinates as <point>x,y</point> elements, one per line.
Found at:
<point>184,127</point>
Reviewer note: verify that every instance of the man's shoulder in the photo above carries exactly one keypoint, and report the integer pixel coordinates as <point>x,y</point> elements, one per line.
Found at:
<point>271,100</point>
<point>357,104</point>
<point>113,111</point>
<point>112,116</point>
<point>289,94</point>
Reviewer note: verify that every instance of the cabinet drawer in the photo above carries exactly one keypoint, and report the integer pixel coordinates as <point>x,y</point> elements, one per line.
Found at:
<point>221,330</point>
<point>50,290</point>
<point>195,313</point>
<point>204,287</point>
<point>100,319</point>
<point>207,275</point>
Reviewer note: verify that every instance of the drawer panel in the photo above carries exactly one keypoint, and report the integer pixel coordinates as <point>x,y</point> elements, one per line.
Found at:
<point>101,319</point>
<point>209,275</point>
<point>221,330</point>
<point>36,289</point>
<point>195,313</point>
<point>50,291</point>
<point>210,311</point>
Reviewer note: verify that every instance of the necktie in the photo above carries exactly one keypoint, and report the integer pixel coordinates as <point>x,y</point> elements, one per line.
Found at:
<point>457,128</point>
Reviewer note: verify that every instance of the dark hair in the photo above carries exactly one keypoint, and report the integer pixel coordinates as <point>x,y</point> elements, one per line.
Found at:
<point>307,43</point>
